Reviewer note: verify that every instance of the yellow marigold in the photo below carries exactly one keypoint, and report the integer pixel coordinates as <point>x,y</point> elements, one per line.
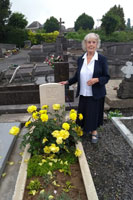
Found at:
<point>73,116</point>
<point>59,140</point>
<point>14,130</point>
<point>46,149</point>
<point>45,106</point>
<point>50,197</point>
<point>35,115</point>
<point>44,140</point>
<point>55,133</point>
<point>56,106</point>
<point>44,117</point>
<point>31,109</point>
<point>64,134</point>
<point>27,123</point>
<point>66,126</point>
<point>43,112</point>
<point>78,131</point>
<point>54,148</point>
<point>80,116</point>
<point>78,152</point>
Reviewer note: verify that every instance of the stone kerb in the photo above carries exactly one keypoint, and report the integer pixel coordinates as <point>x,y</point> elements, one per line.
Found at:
<point>52,93</point>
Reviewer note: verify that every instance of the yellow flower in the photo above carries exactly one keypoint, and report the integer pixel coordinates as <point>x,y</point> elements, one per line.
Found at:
<point>59,140</point>
<point>44,106</point>
<point>46,149</point>
<point>44,140</point>
<point>64,134</point>
<point>73,116</point>
<point>35,115</point>
<point>78,152</point>
<point>14,130</point>
<point>55,133</point>
<point>44,117</point>
<point>80,116</point>
<point>43,112</point>
<point>79,131</point>
<point>56,106</point>
<point>31,109</point>
<point>50,197</point>
<point>66,126</point>
<point>73,111</point>
<point>27,123</point>
<point>54,148</point>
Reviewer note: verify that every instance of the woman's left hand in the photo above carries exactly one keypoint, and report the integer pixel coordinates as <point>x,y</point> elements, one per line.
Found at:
<point>92,81</point>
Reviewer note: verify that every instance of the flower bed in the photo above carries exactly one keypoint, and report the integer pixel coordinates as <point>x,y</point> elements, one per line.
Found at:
<point>54,155</point>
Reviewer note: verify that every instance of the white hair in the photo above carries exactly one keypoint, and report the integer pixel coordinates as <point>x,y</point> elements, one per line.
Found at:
<point>87,37</point>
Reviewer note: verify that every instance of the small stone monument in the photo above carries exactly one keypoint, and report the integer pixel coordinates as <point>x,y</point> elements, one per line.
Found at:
<point>52,93</point>
<point>126,87</point>
<point>1,54</point>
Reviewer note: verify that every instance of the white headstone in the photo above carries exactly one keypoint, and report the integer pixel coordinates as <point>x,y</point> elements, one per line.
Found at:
<point>128,69</point>
<point>52,93</point>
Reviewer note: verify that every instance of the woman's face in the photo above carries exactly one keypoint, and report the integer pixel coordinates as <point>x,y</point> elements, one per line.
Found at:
<point>91,45</point>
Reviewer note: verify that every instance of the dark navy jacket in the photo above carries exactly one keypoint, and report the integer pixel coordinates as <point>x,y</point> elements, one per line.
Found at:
<point>100,71</point>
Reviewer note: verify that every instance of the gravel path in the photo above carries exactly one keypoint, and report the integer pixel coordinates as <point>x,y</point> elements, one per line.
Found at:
<point>111,164</point>
<point>128,123</point>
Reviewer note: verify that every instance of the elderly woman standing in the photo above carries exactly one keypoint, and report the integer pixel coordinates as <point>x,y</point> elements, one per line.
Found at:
<point>91,76</point>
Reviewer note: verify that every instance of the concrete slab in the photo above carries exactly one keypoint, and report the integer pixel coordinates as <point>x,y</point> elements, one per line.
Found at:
<point>21,117</point>
<point>7,183</point>
<point>123,129</point>
<point>6,143</point>
<point>111,98</point>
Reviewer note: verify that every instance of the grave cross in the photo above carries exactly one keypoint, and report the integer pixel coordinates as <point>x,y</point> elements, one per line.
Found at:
<point>60,23</point>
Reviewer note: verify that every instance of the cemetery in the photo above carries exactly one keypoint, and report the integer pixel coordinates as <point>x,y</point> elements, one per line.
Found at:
<point>105,170</point>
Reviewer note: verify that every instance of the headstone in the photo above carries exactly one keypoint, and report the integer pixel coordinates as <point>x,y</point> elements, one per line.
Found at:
<point>27,44</point>
<point>6,143</point>
<point>61,71</point>
<point>126,87</point>
<point>52,93</point>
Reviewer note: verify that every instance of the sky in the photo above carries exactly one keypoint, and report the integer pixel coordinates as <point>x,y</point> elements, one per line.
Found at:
<point>69,10</point>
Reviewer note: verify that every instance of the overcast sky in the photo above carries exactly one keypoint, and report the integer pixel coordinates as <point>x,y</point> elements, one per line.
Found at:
<point>68,10</point>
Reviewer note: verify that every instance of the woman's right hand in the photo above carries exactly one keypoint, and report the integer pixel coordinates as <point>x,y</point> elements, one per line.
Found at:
<point>64,82</point>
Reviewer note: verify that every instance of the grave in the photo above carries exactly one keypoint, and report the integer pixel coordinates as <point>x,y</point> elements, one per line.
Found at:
<point>52,93</point>
<point>27,44</point>
<point>7,142</point>
<point>126,86</point>
<point>1,54</point>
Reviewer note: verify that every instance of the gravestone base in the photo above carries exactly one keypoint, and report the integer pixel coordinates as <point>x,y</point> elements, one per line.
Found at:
<point>125,90</point>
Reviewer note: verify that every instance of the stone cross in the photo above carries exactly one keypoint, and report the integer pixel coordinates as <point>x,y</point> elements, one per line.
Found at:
<point>60,23</point>
<point>128,69</point>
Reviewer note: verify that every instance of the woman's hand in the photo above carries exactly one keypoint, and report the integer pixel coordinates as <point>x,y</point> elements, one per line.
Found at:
<point>92,81</point>
<point>64,82</point>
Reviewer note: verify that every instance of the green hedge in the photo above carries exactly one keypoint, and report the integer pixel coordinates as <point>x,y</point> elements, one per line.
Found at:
<point>122,36</point>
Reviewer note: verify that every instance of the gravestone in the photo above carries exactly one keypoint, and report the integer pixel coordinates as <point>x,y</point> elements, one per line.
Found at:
<point>52,93</point>
<point>61,71</point>
<point>36,54</point>
<point>126,86</point>
<point>27,44</point>
<point>7,142</point>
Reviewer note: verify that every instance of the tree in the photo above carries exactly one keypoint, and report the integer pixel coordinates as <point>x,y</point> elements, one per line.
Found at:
<point>17,20</point>
<point>110,23</point>
<point>51,25</point>
<point>114,15</point>
<point>84,21</point>
<point>4,14</point>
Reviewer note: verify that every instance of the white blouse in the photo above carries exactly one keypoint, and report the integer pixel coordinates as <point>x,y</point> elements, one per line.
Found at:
<point>86,74</point>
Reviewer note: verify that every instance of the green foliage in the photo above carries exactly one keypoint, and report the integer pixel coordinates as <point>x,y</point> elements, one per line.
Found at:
<point>37,38</point>
<point>46,196</point>
<point>113,20</point>
<point>38,165</point>
<point>17,20</point>
<point>16,36</point>
<point>4,11</point>
<point>34,185</point>
<point>84,21</point>
<point>119,36</point>
<point>115,113</point>
<point>51,25</point>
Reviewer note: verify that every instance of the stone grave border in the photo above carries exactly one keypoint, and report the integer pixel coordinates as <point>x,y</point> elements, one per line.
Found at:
<point>123,129</point>
<point>85,171</point>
